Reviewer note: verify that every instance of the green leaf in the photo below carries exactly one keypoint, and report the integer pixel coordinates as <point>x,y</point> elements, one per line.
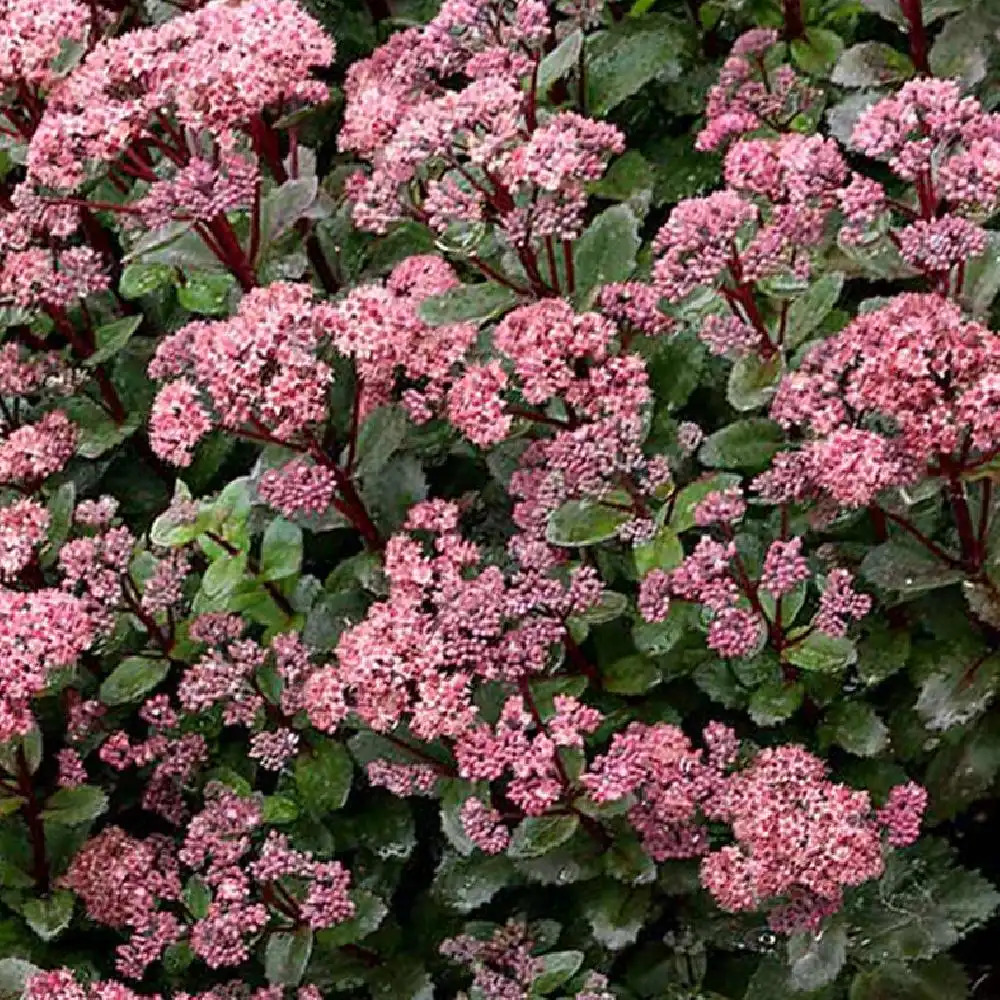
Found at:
<point>961,773</point>
<point>817,51</point>
<point>822,653</point>
<point>60,507</point>
<point>621,61</point>
<point>285,205</point>
<point>616,913</point>
<point>942,978</point>
<point>816,959</point>
<point>629,177</point>
<point>49,916</point>
<point>982,278</point>
<point>141,279</point>
<point>224,575</point>
<point>111,338</point>
<point>578,523</point>
<point>369,912</point>
<point>634,674</point>
<point>753,381</point>
<point>808,311</point>
<point>207,294</point>
<point>774,702</point>
<point>958,52</point>
<point>612,605</point>
<point>465,884</point>
<point>658,638</point>
<point>537,835</point>
<point>856,727</point>
<point>381,436</point>
<point>909,571</point>
<point>281,550</point>
<point>554,969</point>
<point>75,806</point>
<point>606,251</point>
<point>287,955</point>
<point>745,444</point>
<point>98,432</point>
<point>197,897</point>
<point>958,688</point>
<point>922,906</point>
<point>279,809</point>
<point>323,778</point>
<point>662,551</point>
<point>871,64</point>
<point>563,59</point>
<point>468,304</point>
<point>134,677</point>
<point>682,516</point>
<point>882,653</point>
<point>14,975</point>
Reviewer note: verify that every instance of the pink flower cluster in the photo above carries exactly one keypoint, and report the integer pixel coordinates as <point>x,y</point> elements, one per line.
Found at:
<point>40,633</point>
<point>23,527</point>
<point>799,839</point>
<point>256,372</point>
<point>502,965</point>
<point>61,984</point>
<point>450,619</point>
<point>135,885</point>
<point>918,366</point>
<point>36,451</point>
<point>215,69</point>
<point>32,34</point>
<point>751,94</point>
<point>945,146</point>
<point>478,153</point>
<point>380,328</point>
<point>716,576</point>
<point>525,749</point>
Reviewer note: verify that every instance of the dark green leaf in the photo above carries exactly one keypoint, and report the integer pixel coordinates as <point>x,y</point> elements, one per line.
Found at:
<point>775,702</point>
<point>323,777</point>
<point>578,523</point>
<point>808,311</point>
<point>753,381</point>
<point>281,550</point>
<point>606,251</point>
<point>663,551</point>
<point>141,279</point>
<point>468,304</point>
<point>49,916</point>
<point>537,835</point>
<point>207,294</point>
<point>369,912</point>
<point>465,884</point>
<point>871,64</point>
<point>624,59</point>
<point>134,677</point>
<point>745,444</point>
<point>856,727</point>
<point>287,955</point>
<point>816,959</point>
<point>634,674</point>
<point>111,338</point>
<point>554,969</point>
<point>75,806</point>
<point>821,652</point>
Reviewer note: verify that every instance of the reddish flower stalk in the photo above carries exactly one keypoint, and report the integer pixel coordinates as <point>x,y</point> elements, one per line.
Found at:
<point>794,23</point>
<point>913,12</point>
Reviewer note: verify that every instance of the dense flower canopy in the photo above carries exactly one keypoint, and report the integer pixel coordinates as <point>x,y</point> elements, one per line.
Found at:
<point>497,499</point>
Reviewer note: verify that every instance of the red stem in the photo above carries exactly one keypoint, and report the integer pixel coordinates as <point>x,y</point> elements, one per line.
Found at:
<point>32,812</point>
<point>914,14</point>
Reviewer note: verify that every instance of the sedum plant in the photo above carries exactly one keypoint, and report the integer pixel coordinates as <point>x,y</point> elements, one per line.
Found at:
<point>497,499</point>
